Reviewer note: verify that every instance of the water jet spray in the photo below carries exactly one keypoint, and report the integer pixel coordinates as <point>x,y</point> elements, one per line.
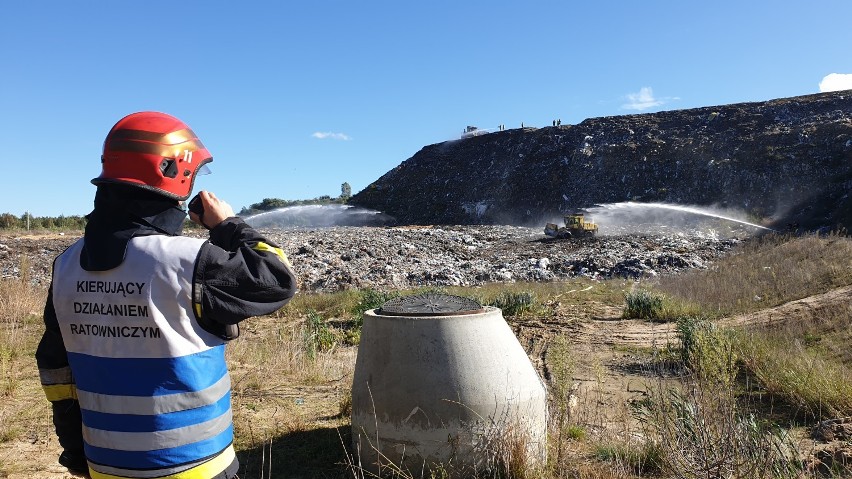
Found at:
<point>313,216</point>
<point>610,214</point>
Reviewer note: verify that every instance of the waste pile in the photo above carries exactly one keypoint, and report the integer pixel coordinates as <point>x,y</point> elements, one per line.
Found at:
<point>337,258</point>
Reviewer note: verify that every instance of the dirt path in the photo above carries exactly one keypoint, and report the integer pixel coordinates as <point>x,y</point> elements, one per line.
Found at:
<point>607,328</point>
<point>611,354</point>
<point>804,310</point>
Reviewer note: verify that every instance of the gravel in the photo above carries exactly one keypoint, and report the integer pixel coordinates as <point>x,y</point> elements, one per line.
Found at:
<point>336,258</point>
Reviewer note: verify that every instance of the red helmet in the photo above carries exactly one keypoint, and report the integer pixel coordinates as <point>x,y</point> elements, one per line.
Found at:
<point>154,151</point>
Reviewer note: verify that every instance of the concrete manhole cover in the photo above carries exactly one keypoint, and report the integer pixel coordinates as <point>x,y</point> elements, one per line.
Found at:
<point>430,304</point>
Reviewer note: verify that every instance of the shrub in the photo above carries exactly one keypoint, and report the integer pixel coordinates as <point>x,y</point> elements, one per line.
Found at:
<point>643,305</point>
<point>514,304</point>
<point>701,432</point>
<point>575,432</point>
<point>707,351</point>
<point>370,299</point>
<point>701,426</point>
<point>318,337</point>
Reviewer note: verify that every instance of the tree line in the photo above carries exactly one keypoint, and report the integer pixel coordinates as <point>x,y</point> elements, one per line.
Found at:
<point>269,204</point>
<point>76,222</point>
<point>28,221</point>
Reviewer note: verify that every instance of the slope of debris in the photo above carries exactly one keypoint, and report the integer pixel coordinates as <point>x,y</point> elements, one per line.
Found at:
<point>784,160</point>
<point>336,258</point>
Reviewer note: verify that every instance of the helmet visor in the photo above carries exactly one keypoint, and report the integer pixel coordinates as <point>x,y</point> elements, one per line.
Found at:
<point>204,170</point>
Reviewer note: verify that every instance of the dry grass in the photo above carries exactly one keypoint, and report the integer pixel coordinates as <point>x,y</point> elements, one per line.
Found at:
<point>21,304</point>
<point>291,405</point>
<point>501,450</point>
<point>813,385</point>
<point>608,292</point>
<point>286,400</point>
<point>330,305</point>
<point>766,272</point>
<point>25,414</point>
<point>273,373</point>
<point>563,401</point>
<point>509,455</point>
<point>805,364</point>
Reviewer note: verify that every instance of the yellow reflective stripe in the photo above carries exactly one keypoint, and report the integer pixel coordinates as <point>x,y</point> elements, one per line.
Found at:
<point>207,470</point>
<point>197,309</point>
<point>58,392</point>
<point>261,246</point>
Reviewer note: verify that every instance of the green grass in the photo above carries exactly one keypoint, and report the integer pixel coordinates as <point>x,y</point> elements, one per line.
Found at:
<point>575,432</point>
<point>645,458</point>
<point>318,337</point>
<point>702,430</point>
<point>566,292</point>
<point>708,351</point>
<point>370,299</point>
<point>643,304</point>
<point>658,307</point>
<point>516,304</point>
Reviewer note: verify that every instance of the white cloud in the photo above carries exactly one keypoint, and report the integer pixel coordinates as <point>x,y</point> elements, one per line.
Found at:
<point>836,82</point>
<point>327,135</point>
<point>642,100</point>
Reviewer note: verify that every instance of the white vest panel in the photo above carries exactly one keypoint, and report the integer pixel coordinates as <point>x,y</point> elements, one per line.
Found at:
<point>142,308</point>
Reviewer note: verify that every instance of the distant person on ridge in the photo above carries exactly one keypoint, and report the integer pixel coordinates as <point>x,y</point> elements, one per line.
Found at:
<point>137,317</point>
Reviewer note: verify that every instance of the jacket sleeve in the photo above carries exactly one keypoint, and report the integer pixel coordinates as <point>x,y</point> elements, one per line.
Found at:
<point>240,274</point>
<point>58,384</point>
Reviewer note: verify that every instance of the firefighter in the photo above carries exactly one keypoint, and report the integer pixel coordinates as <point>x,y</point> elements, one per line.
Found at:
<point>137,315</point>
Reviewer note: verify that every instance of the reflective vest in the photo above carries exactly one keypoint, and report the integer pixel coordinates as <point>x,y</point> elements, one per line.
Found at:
<point>153,386</point>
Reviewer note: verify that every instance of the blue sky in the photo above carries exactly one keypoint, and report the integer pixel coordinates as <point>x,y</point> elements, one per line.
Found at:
<point>295,98</point>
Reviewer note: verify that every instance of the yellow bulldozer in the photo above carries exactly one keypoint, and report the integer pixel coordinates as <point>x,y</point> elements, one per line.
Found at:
<point>576,226</point>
